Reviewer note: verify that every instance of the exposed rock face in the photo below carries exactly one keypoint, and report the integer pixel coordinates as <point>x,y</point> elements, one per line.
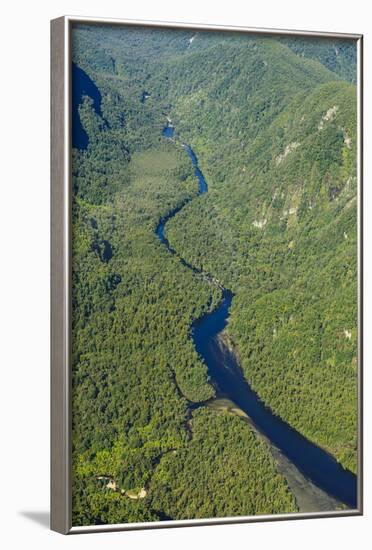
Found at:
<point>135,496</point>
<point>113,486</point>
<point>191,40</point>
<point>260,223</point>
<point>290,147</point>
<point>329,115</point>
<point>347,140</point>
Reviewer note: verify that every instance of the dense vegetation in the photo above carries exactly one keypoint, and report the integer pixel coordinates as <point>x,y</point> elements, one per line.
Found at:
<point>244,479</point>
<point>275,136</point>
<point>288,232</point>
<point>338,56</point>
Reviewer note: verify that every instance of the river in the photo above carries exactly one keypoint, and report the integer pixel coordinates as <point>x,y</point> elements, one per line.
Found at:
<point>308,468</point>
<point>315,464</point>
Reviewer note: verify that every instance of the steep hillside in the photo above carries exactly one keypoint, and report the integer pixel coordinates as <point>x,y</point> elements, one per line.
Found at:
<point>280,228</point>
<point>339,56</point>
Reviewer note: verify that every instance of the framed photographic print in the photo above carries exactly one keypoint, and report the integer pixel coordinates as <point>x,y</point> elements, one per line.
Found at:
<point>206,274</point>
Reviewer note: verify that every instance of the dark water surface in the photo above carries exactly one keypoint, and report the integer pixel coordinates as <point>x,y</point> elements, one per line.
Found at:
<point>314,463</point>
<point>145,95</point>
<point>82,85</point>
<point>168,130</point>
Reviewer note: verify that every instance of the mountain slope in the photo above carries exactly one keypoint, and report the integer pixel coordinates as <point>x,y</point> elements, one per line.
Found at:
<point>280,229</point>
<point>275,136</point>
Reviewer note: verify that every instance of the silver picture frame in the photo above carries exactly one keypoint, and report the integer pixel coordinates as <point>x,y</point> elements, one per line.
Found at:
<point>61,492</point>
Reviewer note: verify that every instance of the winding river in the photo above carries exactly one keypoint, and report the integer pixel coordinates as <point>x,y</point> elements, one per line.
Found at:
<point>305,464</point>
<point>315,464</point>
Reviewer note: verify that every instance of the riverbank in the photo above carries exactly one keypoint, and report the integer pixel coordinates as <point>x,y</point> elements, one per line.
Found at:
<point>309,497</point>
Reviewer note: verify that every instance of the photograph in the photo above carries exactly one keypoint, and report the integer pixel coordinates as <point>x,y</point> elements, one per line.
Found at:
<point>215,282</point>
<point>187,297</point>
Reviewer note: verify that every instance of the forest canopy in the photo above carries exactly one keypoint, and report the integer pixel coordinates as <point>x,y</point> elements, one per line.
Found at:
<point>273,122</point>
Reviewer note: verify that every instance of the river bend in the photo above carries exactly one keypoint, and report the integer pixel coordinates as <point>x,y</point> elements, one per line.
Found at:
<point>316,464</point>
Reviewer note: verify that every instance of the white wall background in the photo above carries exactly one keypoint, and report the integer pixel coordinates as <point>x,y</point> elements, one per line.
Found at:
<point>24,305</point>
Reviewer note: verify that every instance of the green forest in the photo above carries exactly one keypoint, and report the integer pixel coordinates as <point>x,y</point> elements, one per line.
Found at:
<point>273,123</point>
